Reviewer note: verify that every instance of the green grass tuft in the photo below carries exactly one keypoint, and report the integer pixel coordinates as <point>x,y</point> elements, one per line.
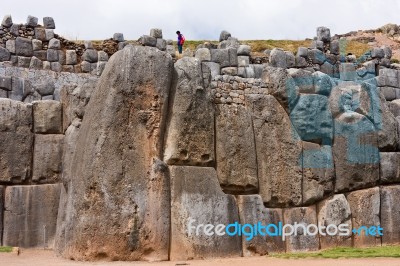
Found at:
<point>346,252</point>
<point>6,249</point>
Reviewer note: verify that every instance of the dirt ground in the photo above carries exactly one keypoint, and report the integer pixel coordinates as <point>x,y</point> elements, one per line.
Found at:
<point>47,258</point>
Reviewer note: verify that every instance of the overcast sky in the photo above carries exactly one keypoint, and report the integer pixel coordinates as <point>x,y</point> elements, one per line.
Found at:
<point>204,19</point>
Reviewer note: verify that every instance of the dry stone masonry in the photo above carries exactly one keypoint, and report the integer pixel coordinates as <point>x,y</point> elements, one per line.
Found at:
<point>109,153</point>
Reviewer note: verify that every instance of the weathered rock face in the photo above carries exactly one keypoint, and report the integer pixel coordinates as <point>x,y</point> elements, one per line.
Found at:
<point>2,191</point>
<point>252,211</point>
<point>390,214</point>
<point>365,211</point>
<point>117,196</point>
<point>47,159</point>
<point>47,117</point>
<point>236,152</point>
<point>389,167</point>
<point>334,211</point>
<point>302,216</point>
<point>190,132</point>
<point>16,141</point>
<point>278,150</point>
<point>355,152</point>
<point>30,215</point>
<point>197,197</point>
<point>318,172</point>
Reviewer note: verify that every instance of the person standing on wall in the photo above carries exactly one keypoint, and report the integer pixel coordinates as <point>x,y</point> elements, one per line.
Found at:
<point>181,41</point>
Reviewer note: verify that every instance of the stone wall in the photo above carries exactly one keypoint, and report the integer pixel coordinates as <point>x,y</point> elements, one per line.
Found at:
<point>131,156</point>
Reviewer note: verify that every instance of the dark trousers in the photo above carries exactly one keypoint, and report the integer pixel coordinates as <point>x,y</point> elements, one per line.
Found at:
<point>180,49</point>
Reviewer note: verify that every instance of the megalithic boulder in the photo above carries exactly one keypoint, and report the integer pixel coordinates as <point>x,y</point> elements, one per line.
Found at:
<point>116,203</point>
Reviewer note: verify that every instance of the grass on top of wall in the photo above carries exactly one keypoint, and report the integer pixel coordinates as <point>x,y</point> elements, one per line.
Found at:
<point>346,252</point>
<point>5,249</point>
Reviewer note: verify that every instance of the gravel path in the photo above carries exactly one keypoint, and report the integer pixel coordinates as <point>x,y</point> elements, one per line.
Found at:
<point>47,258</point>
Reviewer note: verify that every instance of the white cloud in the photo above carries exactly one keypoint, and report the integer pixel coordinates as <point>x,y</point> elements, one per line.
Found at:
<point>204,19</point>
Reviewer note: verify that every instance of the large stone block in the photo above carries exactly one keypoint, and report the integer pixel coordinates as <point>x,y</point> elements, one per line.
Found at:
<point>390,167</point>
<point>48,23</point>
<point>10,46</point>
<point>323,34</point>
<point>220,56</point>
<point>196,198</point>
<point>235,150</point>
<point>90,55</point>
<point>390,214</point>
<point>252,211</point>
<point>2,192</point>
<point>30,215</point>
<point>394,107</point>
<point>347,71</point>
<point>355,152</point>
<point>190,132</point>
<point>331,213</point>
<point>279,149</point>
<point>47,116</point>
<point>365,211</point>
<point>47,158</point>
<point>71,57</point>
<point>5,83</point>
<point>203,54</point>
<point>244,50</point>
<point>312,119</point>
<point>7,21</point>
<point>388,77</point>
<point>31,21</point>
<point>277,58</point>
<point>386,124</point>
<point>301,241</point>
<point>23,47</point>
<point>318,172</point>
<point>147,40</point>
<point>16,141</point>
<point>119,188</point>
<point>4,54</point>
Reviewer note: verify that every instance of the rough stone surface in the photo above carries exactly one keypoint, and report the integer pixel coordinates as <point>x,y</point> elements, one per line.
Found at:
<point>52,55</point>
<point>119,37</point>
<point>303,216</point>
<point>277,58</point>
<point>203,54</point>
<point>355,152</point>
<point>147,40</point>
<point>390,214</point>
<point>117,167</point>
<point>47,117</point>
<point>278,149</point>
<point>90,55</point>
<point>54,44</point>
<point>318,172</point>
<point>7,21</point>
<point>10,45</point>
<point>156,33</point>
<point>48,23</point>
<point>30,215</point>
<point>236,152</point>
<point>389,167</point>
<point>386,124</point>
<point>37,45</point>
<point>161,44</point>
<point>195,194</point>
<point>323,34</point>
<point>47,158</point>
<point>71,57</point>
<point>224,35</point>
<point>252,211</point>
<point>190,132</point>
<point>2,192</point>
<point>23,47</point>
<point>365,211</point>
<point>334,210</point>
<point>16,141</point>
<point>31,21</point>
<point>215,68</point>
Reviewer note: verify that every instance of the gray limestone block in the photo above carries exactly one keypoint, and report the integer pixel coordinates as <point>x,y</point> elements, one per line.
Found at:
<point>31,21</point>
<point>193,191</point>
<point>56,66</point>
<point>317,45</point>
<point>203,54</point>
<point>45,87</point>
<point>347,72</point>
<point>24,61</point>
<point>30,215</point>
<point>277,58</point>
<point>37,45</point>
<point>171,50</point>
<point>365,211</point>
<point>389,167</point>
<point>388,77</point>
<point>119,37</point>
<point>17,92</point>
<point>244,50</point>
<point>301,241</point>
<point>10,45</point>
<point>5,83</point>
<point>2,193</point>
<point>85,66</point>
<point>302,51</point>
<point>102,56</point>
<point>14,29</point>
<point>17,139</point>
<point>328,69</point>
<point>388,52</point>
<point>332,212</point>
<point>88,44</point>
<point>46,65</point>
<point>47,116</point>
<point>156,33</point>
<point>390,214</point>
<point>90,55</point>
<point>252,211</point>
<point>122,45</point>
<point>233,58</point>
<point>316,56</point>
<point>394,107</point>
<point>243,61</point>
<point>23,47</point>
<point>215,68</point>
<point>101,65</point>
<point>147,40</point>
<point>61,57</point>
<point>54,44</point>
<point>224,35</point>
<point>290,59</point>
<point>48,23</point>
<point>41,54</point>
<point>49,34</point>
<point>40,34</point>
<point>7,21</point>
<point>3,93</point>
<point>47,158</point>
<point>161,44</point>
<point>71,57</point>
<point>220,56</point>
<point>231,71</point>
<point>323,34</point>
<point>5,55</point>
<point>377,53</point>
<point>36,63</point>
<point>389,93</point>
<point>335,47</point>
<point>52,55</point>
